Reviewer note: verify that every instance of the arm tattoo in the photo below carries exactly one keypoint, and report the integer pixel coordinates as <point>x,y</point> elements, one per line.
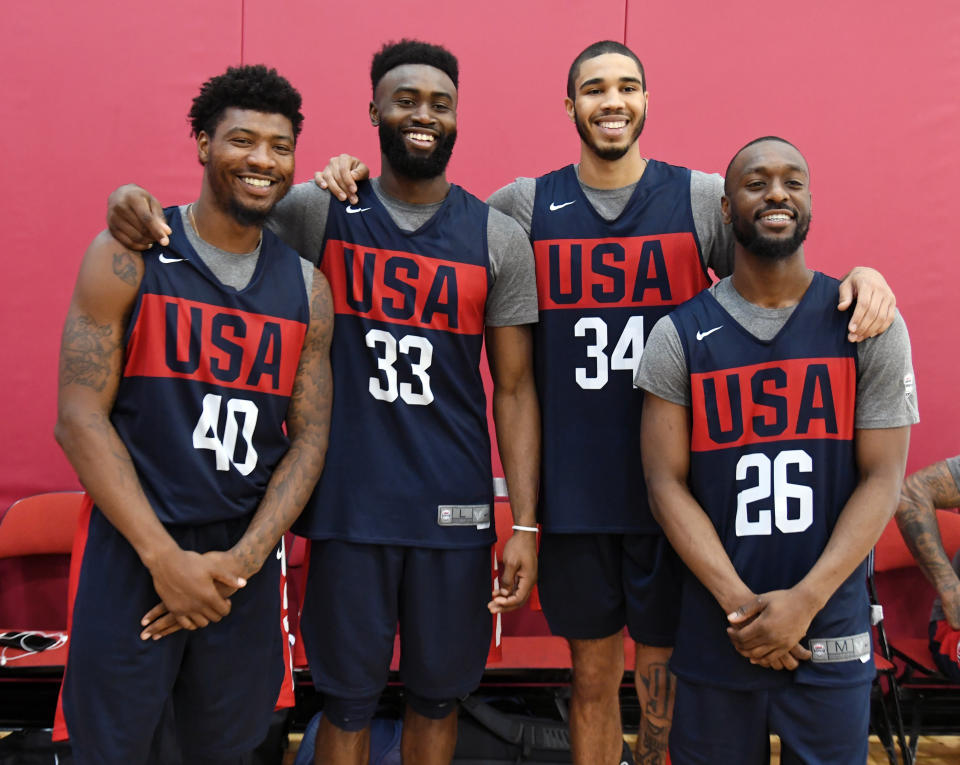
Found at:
<point>308,423</point>
<point>125,267</point>
<point>922,493</point>
<point>87,351</point>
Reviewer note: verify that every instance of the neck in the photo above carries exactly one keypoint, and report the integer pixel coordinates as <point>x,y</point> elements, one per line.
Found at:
<point>770,283</point>
<point>417,191</point>
<point>220,229</point>
<point>611,174</point>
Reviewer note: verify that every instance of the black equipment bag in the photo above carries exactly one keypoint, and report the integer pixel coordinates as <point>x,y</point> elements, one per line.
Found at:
<point>487,736</point>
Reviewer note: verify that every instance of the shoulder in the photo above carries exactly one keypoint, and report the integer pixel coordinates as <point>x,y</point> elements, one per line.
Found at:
<point>507,243</point>
<point>516,200</point>
<point>105,254</point>
<point>711,182</point>
<point>501,224</point>
<point>110,275</point>
<point>691,306</point>
<point>508,198</point>
<point>663,335</point>
<point>895,341</point>
<point>302,200</point>
<point>706,189</point>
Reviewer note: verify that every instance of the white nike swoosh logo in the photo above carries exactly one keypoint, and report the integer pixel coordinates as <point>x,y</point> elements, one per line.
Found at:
<point>165,259</point>
<point>352,210</point>
<point>554,206</point>
<point>701,335</point>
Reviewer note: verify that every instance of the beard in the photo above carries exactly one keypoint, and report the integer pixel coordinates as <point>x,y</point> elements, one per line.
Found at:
<point>247,216</point>
<point>769,248</point>
<point>419,168</point>
<point>225,195</point>
<point>608,153</point>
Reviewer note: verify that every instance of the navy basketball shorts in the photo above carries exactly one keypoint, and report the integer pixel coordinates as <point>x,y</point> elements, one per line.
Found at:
<point>817,725</point>
<point>591,585</point>
<point>357,594</point>
<point>220,682</point>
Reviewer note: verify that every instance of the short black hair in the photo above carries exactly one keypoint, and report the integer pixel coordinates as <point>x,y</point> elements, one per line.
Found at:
<point>394,54</point>
<point>761,139</point>
<point>252,87</point>
<point>599,49</point>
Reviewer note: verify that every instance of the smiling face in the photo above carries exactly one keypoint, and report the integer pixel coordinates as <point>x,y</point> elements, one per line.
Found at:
<point>767,199</point>
<point>248,162</point>
<point>610,104</point>
<point>415,109</point>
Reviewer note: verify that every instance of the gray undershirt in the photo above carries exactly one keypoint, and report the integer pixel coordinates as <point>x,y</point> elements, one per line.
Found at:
<point>716,241</point>
<point>300,219</point>
<point>886,395</point>
<point>234,269</point>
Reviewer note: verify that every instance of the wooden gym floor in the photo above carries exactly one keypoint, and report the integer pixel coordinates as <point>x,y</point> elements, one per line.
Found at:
<point>933,750</point>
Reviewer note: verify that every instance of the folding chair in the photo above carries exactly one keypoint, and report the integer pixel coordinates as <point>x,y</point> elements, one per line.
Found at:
<point>889,704</point>
<point>36,537</point>
<point>917,686</point>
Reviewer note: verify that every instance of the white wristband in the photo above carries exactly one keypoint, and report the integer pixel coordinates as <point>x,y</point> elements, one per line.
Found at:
<point>534,529</point>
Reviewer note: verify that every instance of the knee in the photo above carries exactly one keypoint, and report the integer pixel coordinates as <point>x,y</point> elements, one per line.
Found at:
<point>596,680</point>
<point>432,709</point>
<point>350,715</point>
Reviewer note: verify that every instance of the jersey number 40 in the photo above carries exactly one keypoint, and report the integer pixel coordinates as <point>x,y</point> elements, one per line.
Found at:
<point>205,433</point>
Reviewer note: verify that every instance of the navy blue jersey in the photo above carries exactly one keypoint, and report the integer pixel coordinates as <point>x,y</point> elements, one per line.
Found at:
<point>409,455</point>
<point>207,376</point>
<point>602,285</point>
<point>772,463</point>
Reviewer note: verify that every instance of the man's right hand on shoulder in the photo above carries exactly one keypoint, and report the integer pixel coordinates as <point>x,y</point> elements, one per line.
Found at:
<point>135,218</point>
<point>340,177</point>
<point>187,583</point>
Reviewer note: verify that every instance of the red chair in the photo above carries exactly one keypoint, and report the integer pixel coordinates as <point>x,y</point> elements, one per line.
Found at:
<point>36,537</point>
<point>914,681</point>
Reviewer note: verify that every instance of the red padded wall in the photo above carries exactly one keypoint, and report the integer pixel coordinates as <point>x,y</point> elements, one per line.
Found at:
<point>868,94</point>
<point>96,94</point>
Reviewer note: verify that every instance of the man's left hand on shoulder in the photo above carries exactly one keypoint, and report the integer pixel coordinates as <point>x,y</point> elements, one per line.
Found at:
<point>876,303</point>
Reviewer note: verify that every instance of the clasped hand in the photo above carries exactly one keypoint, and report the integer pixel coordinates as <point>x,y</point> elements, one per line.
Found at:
<point>767,629</point>
<point>194,591</point>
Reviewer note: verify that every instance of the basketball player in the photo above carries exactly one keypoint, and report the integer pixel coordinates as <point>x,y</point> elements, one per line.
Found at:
<point>421,273</point>
<point>773,449</point>
<point>179,368</point>
<point>932,487</point>
<point>619,240</point>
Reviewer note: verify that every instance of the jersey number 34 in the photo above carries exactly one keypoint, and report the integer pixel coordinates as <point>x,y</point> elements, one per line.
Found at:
<point>626,353</point>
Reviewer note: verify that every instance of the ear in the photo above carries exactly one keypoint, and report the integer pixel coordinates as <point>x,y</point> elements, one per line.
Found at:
<point>203,147</point>
<point>569,105</point>
<point>374,114</point>
<point>725,208</point>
